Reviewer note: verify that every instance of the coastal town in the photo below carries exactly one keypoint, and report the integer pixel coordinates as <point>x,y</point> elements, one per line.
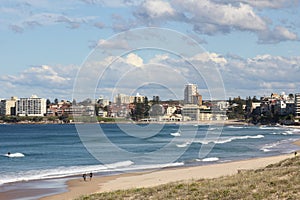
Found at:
<point>273,109</point>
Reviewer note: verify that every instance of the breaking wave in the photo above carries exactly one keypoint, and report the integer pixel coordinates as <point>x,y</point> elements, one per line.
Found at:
<point>223,140</point>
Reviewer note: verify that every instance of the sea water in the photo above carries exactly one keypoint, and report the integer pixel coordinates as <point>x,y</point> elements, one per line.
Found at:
<point>40,152</point>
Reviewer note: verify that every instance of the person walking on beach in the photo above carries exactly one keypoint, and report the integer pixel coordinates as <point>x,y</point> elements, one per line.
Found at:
<point>91,176</point>
<point>84,177</point>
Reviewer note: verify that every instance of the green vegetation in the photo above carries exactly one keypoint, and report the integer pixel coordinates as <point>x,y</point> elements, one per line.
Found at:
<point>277,181</point>
<point>140,110</point>
<point>236,110</point>
<point>35,119</point>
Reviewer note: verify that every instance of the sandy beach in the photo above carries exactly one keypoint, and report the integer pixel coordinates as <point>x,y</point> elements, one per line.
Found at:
<point>79,187</point>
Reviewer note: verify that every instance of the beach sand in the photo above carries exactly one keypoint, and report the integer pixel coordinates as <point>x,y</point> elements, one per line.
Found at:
<point>78,187</point>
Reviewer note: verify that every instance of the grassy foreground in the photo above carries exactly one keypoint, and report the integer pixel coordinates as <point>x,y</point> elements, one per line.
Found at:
<point>276,181</point>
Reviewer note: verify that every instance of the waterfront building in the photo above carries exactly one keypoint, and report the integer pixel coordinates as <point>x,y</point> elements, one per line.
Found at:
<point>102,101</point>
<point>81,110</point>
<point>190,90</point>
<point>297,107</point>
<point>33,106</point>
<point>190,112</point>
<point>191,95</point>
<point>8,107</point>
<point>123,99</point>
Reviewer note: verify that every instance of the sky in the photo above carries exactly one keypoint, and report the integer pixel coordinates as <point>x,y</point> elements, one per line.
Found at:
<point>90,48</point>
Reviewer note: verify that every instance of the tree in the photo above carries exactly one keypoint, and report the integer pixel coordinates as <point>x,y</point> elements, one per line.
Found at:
<point>55,101</point>
<point>147,107</point>
<point>155,99</point>
<point>140,110</point>
<point>230,101</point>
<point>254,99</point>
<point>48,102</point>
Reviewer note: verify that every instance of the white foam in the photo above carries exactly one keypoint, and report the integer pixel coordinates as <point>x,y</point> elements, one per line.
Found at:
<point>265,150</point>
<point>61,172</point>
<point>14,155</point>
<point>276,145</point>
<point>119,164</point>
<point>177,134</point>
<point>183,145</point>
<point>287,133</point>
<point>211,129</point>
<point>223,140</point>
<point>212,159</point>
<point>237,127</point>
<point>283,133</point>
<point>270,127</point>
<point>295,130</point>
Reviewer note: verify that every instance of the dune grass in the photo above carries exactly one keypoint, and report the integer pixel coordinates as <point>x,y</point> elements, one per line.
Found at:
<point>276,181</point>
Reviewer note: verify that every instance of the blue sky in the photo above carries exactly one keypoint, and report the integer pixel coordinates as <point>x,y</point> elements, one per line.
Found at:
<point>253,44</point>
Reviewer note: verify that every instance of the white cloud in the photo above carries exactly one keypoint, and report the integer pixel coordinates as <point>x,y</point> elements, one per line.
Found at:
<point>99,25</point>
<point>260,75</point>
<point>264,3</point>
<point>277,35</point>
<point>208,17</point>
<point>155,12</point>
<point>220,17</point>
<point>114,3</point>
<point>44,75</point>
<point>158,8</point>
<point>211,17</point>
<point>112,44</point>
<point>134,60</point>
<point>45,80</point>
<point>210,57</point>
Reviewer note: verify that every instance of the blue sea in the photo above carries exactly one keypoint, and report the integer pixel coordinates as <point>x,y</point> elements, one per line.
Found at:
<point>42,152</point>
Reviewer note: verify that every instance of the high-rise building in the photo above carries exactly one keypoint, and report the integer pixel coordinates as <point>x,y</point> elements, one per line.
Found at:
<point>191,95</point>
<point>297,105</point>
<point>190,90</point>
<point>32,106</point>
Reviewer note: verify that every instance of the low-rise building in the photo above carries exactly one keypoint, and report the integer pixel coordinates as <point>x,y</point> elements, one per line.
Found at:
<point>190,112</point>
<point>8,107</point>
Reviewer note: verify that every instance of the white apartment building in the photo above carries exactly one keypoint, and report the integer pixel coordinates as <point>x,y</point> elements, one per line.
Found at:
<point>123,99</point>
<point>190,91</point>
<point>190,113</point>
<point>297,106</point>
<point>33,106</point>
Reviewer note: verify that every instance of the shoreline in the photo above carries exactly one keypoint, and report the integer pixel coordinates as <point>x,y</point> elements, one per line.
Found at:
<point>77,187</point>
<point>204,122</point>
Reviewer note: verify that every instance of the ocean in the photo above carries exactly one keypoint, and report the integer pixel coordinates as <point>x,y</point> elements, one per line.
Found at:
<point>42,152</point>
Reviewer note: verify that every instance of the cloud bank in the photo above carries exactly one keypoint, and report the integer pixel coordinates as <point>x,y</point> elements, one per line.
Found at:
<point>206,17</point>
<point>260,75</point>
